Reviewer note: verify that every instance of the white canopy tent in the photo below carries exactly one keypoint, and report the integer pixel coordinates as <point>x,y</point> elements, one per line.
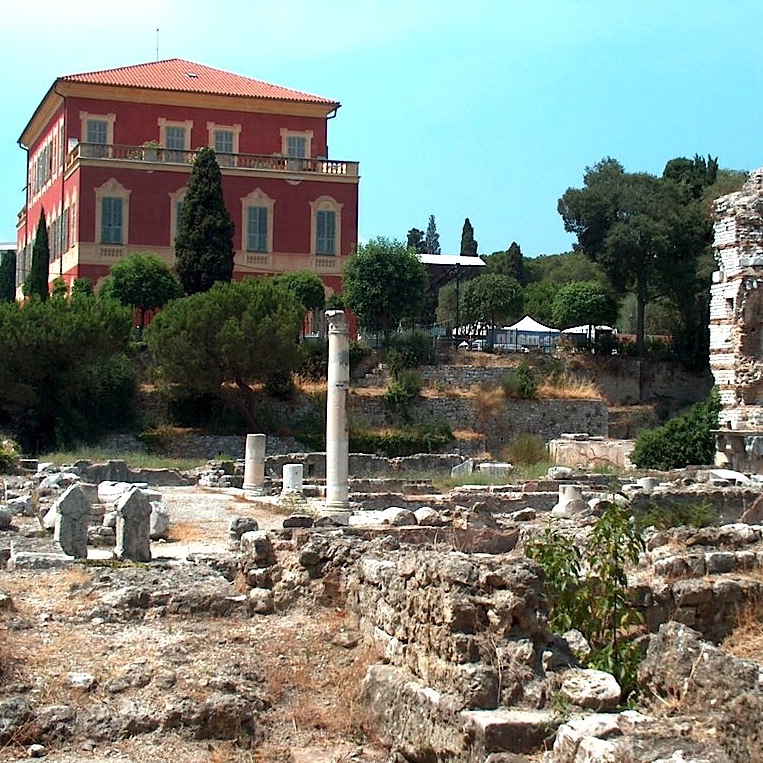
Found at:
<point>527,333</point>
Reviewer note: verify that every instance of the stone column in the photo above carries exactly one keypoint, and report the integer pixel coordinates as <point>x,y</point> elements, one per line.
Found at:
<point>292,479</point>
<point>133,526</point>
<point>337,436</point>
<point>254,465</point>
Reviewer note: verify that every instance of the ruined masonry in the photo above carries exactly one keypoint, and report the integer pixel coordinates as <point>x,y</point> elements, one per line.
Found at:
<point>736,325</point>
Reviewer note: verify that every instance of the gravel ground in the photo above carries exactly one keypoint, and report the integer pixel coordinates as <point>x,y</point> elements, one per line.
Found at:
<point>155,671</point>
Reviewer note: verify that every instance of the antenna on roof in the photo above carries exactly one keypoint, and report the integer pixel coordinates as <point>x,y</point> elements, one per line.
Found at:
<point>157,43</point>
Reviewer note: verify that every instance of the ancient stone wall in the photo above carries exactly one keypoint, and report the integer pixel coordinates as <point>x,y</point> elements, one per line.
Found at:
<point>499,423</point>
<point>465,625</point>
<point>736,306</point>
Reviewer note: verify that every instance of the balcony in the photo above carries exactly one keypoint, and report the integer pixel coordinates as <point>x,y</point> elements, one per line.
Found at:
<point>258,162</point>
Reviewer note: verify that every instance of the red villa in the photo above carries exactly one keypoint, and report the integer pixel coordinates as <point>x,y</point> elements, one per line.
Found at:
<point>109,156</point>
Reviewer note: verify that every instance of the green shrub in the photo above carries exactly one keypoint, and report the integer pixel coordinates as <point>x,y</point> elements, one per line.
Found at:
<point>684,440</point>
<point>672,514</point>
<point>409,350</point>
<point>315,360</point>
<point>526,449</point>
<point>359,352</point>
<point>586,587</point>
<point>405,441</point>
<point>402,390</point>
<point>9,453</point>
<point>520,383</point>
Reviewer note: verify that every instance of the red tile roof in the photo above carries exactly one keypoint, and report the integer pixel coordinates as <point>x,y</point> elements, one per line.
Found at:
<point>185,76</point>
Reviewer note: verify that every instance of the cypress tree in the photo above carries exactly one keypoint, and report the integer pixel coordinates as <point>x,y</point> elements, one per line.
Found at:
<point>432,238</point>
<point>36,283</point>
<point>468,244</point>
<point>8,277</point>
<point>204,243</point>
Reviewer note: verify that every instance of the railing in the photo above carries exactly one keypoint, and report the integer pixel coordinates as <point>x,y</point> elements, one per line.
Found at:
<point>267,162</point>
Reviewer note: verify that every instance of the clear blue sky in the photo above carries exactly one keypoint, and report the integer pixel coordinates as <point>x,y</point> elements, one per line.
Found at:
<point>488,110</point>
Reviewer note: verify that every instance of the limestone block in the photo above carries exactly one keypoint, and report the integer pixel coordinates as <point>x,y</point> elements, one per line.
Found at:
<point>397,516</point>
<point>570,735</point>
<point>159,528</point>
<point>72,515</point>
<point>133,526</point>
<point>257,545</point>
<point>591,688</point>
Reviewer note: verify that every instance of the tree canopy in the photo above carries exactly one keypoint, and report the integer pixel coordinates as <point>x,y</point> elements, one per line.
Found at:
<point>415,240</point>
<point>432,238</point>
<point>646,233</point>
<point>36,283</point>
<point>204,243</point>
<point>142,281</point>
<point>8,277</point>
<point>385,282</point>
<point>306,287</point>
<point>492,299</point>
<point>468,243</point>
<point>539,299</point>
<point>583,302</point>
<point>239,333</point>
<point>508,263</point>
<point>63,378</point>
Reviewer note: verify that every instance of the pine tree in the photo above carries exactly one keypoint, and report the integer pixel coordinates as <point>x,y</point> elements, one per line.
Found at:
<point>468,244</point>
<point>416,240</point>
<point>204,243</point>
<point>432,239</point>
<point>36,283</point>
<point>8,277</point>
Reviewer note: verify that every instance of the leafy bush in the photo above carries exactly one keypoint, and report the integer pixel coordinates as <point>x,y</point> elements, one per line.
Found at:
<point>405,441</point>
<point>520,383</point>
<point>526,449</point>
<point>9,453</point>
<point>586,587</point>
<point>409,350</point>
<point>359,352</point>
<point>684,440</point>
<point>672,514</point>
<point>315,361</point>
<point>402,390</point>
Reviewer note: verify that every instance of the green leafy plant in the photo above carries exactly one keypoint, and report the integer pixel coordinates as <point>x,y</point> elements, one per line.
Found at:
<point>9,453</point>
<point>586,587</point>
<point>402,390</point>
<point>405,441</point>
<point>684,440</point>
<point>409,350</point>
<point>520,383</point>
<point>673,514</point>
<point>526,449</point>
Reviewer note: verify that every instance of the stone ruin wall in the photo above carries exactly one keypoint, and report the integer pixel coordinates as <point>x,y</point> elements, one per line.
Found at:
<point>736,306</point>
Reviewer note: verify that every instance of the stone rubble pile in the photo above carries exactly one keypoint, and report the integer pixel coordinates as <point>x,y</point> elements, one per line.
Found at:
<point>468,670</point>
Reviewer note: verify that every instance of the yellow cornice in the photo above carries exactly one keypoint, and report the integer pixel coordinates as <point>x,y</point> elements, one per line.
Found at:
<point>47,109</point>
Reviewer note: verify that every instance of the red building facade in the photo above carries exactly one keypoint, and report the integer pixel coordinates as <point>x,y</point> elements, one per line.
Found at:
<point>109,155</point>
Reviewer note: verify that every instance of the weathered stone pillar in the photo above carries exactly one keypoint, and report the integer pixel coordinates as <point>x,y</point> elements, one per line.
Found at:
<point>292,479</point>
<point>71,521</point>
<point>254,465</point>
<point>337,436</point>
<point>133,526</point>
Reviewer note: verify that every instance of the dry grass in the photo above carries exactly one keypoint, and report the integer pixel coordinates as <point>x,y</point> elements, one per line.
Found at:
<point>187,532</point>
<point>569,389</point>
<point>746,640</point>
<point>489,400</point>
